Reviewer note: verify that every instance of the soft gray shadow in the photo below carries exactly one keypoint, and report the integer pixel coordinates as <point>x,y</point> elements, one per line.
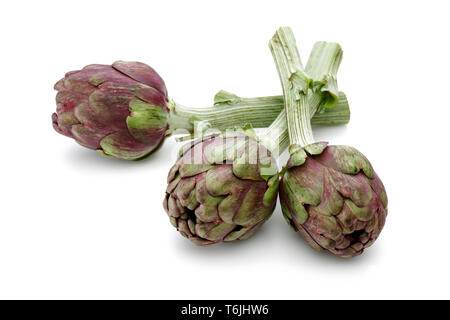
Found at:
<point>276,240</point>
<point>220,250</point>
<point>79,156</point>
<point>299,252</point>
<point>305,253</point>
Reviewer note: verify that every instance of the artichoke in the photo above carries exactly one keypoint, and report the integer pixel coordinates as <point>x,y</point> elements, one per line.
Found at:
<point>123,110</point>
<point>222,188</point>
<point>119,110</point>
<point>334,198</point>
<point>330,194</point>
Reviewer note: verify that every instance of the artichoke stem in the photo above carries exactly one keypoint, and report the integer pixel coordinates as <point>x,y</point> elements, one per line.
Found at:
<point>276,138</point>
<point>223,115</point>
<point>305,92</point>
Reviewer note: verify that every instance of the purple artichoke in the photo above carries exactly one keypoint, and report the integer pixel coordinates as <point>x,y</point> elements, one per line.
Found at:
<point>330,194</point>
<point>222,188</point>
<point>118,110</point>
<point>123,110</point>
<point>334,198</point>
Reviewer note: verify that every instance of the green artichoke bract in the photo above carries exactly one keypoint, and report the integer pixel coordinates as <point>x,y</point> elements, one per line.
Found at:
<point>330,194</point>
<point>222,188</point>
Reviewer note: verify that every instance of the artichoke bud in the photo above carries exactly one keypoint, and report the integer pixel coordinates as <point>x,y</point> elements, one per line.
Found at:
<point>217,183</point>
<point>120,110</point>
<point>333,197</point>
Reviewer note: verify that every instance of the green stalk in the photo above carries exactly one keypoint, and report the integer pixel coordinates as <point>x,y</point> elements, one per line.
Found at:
<point>277,135</point>
<point>322,66</point>
<point>230,110</point>
<point>318,92</point>
<point>222,117</point>
<point>340,114</point>
<point>276,138</point>
<point>295,83</point>
<point>305,93</point>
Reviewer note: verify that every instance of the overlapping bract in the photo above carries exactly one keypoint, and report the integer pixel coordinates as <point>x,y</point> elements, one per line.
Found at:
<point>119,110</point>
<point>333,197</point>
<point>222,188</point>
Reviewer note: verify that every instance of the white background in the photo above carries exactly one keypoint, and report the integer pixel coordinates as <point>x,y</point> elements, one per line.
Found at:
<point>76,225</point>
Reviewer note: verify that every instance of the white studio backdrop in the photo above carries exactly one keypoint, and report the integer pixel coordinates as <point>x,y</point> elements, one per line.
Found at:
<point>76,225</point>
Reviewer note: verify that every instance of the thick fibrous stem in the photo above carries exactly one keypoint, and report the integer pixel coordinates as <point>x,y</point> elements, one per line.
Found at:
<point>340,114</point>
<point>231,110</point>
<point>276,137</point>
<point>323,64</point>
<point>221,117</point>
<point>295,83</point>
<point>309,98</point>
<point>305,93</point>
